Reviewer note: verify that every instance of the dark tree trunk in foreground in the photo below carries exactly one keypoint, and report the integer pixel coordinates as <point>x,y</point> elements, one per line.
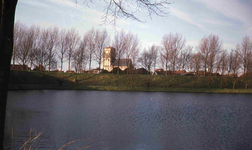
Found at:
<point>7,10</point>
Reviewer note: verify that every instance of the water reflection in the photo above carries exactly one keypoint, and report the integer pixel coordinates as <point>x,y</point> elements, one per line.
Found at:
<point>134,120</point>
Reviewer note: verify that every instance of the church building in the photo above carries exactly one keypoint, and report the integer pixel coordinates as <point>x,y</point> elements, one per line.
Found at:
<point>109,60</point>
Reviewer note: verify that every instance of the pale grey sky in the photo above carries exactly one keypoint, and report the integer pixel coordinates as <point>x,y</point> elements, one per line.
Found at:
<point>194,19</point>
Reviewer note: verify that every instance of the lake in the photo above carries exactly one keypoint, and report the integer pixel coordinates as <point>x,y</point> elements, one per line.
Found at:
<point>129,120</point>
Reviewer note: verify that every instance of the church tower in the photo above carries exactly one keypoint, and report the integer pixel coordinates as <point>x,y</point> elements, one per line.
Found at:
<point>108,58</point>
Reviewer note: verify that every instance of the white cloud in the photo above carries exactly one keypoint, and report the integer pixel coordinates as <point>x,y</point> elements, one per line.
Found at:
<point>46,24</point>
<point>229,46</point>
<point>143,26</point>
<point>215,22</point>
<point>234,9</point>
<point>67,2</point>
<point>193,43</point>
<point>34,3</point>
<point>185,17</point>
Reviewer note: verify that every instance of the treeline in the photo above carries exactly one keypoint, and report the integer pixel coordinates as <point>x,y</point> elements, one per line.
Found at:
<point>51,47</point>
<point>210,56</point>
<point>34,46</point>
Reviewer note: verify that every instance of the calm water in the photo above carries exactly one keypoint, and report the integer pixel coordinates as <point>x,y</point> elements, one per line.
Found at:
<point>131,120</point>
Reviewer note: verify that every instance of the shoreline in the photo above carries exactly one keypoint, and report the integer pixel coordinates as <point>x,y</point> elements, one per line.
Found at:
<point>129,89</point>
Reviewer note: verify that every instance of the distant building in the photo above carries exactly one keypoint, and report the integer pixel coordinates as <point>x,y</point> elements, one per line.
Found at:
<point>249,74</point>
<point>160,71</point>
<point>19,67</point>
<point>39,68</point>
<point>97,71</point>
<point>123,64</point>
<point>109,60</point>
<point>169,72</point>
<point>141,71</point>
<point>70,71</point>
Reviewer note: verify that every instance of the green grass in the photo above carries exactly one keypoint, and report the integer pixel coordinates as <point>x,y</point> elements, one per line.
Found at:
<point>23,80</point>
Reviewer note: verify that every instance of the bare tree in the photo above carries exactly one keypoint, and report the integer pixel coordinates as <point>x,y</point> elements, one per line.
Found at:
<point>148,58</point>
<point>132,48</point>
<point>62,47</point>
<point>102,40</point>
<point>235,64</point>
<point>118,9</point>
<point>172,46</point>
<point>145,60</point>
<point>35,32</point>
<point>72,41</point>
<point>17,37</point>
<point>26,44</point>
<point>51,47</point>
<point>90,35</point>
<point>134,56</point>
<point>195,63</point>
<point>83,52</point>
<point>234,61</point>
<point>215,47</point>
<point>185,57</point>
<point>223,62</point>
<point>204,50</point>
<point>178,43</point>
<point>166,50</point>
<point>80,56</point>
<point>221,65</point>
<point>120,46</point>
<point>45,51</point>
<point>77,61</point>
<point>161,58</point>
<point>41,53</point>
<point>154,51</point>
<point>209,47</point>
<point>245,52</point>
<point>229,62</point>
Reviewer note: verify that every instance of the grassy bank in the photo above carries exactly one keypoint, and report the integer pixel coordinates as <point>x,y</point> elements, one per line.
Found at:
<point>21,80</point>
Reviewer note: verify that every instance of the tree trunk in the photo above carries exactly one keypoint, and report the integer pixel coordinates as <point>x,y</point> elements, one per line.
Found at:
<point>194,82</point>
<point>69,63</point>
<point>49,67</point>
<point>205,71</point>
<point>90,59</point>
<point>166,69</point>
<point>61,65</point>
<point>13,58</point>
<point>7,11</point>
<point>127,66</point>
<point>234,84</point>
<point>221,82</point>
<point>118,66</point>
<point>31,63</point>
<point>99,67</point>
<point>246,83</point>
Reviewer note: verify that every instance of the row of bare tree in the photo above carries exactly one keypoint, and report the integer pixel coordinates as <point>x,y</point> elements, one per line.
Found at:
<point>209,56</point>
<point>49,47</point>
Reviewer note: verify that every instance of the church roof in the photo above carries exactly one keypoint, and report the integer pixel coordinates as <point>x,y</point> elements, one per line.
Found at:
<point>123,62</point>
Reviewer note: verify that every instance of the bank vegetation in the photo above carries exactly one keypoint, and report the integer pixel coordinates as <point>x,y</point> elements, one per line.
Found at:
<point>39,80</point>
